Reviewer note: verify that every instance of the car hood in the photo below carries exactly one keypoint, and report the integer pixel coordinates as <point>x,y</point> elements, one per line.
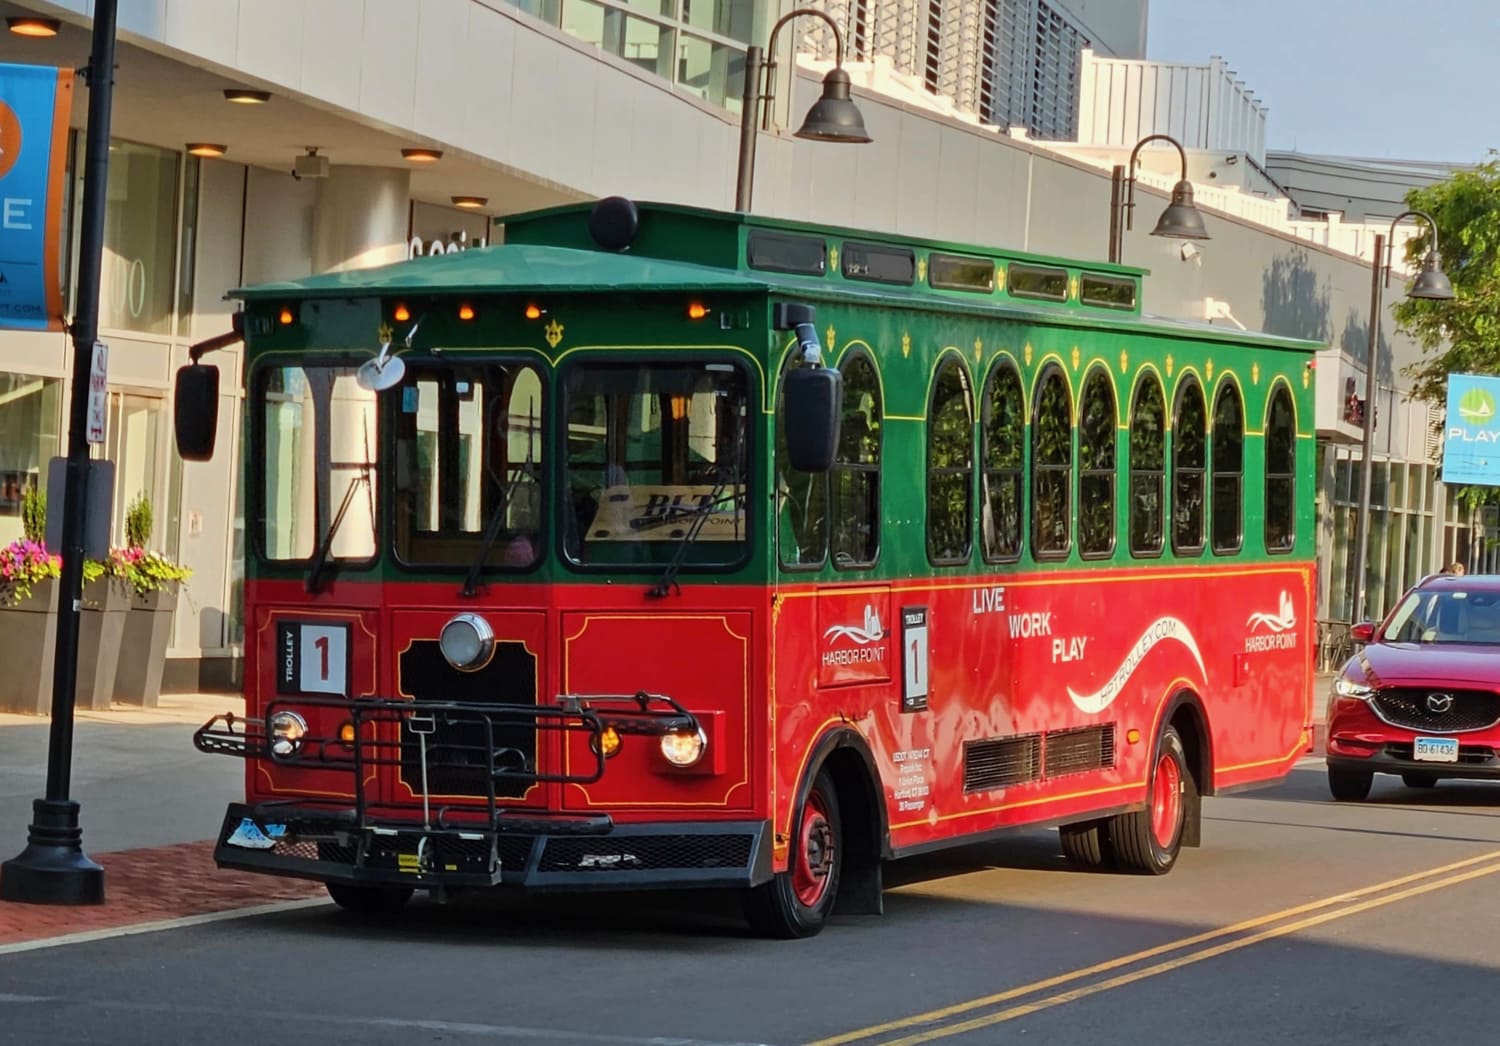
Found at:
<point>1427,664</point>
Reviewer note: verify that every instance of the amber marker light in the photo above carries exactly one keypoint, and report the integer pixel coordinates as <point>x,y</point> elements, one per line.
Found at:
<point>697,310</point>
<point>608,742</point>
<point>23,26</point>
<point>466,312</point>
<point>346,734</point>
<point>402,314</point>
<point>1133,736</point>
<point>533,312</point>
<point>286,317</point>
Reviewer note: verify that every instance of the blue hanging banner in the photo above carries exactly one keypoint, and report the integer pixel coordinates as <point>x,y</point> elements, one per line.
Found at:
<point>1471,434</point>
<point>35,103</point>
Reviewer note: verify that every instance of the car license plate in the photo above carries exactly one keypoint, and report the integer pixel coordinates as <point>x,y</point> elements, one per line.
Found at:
<point>1435,750</point>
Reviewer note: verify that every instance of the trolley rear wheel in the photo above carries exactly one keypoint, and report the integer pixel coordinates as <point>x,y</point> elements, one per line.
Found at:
<point>1148,841</point>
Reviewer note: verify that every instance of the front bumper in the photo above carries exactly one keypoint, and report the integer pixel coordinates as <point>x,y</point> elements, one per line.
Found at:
<point>523,850</point>
<point>1358,739</point>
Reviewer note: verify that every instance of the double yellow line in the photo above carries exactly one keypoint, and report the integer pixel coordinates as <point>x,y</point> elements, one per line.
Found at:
<point>945,1022</point>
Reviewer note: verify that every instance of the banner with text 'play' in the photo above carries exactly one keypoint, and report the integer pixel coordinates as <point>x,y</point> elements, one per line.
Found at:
<point>1471,433</point>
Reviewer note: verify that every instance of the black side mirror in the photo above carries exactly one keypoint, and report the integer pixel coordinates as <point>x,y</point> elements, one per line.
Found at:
<point>195,410</point>
<point>812,401</point>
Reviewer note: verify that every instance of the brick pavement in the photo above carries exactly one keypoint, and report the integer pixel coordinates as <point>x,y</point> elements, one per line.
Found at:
<point>152,885</point>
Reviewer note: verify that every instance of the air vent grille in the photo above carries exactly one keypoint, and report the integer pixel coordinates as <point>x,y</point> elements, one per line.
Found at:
<point>1074,751</point>
<point>1002,761</point>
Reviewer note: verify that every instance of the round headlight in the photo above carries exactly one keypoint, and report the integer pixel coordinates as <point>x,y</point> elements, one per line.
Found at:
<point>467,642</point>
<point>287,729</point>
<point>684,747</point>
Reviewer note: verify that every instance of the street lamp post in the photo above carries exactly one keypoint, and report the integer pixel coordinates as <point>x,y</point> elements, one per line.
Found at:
<point>833,118</point>
<point>1430,284</point>
<point>1181,220</point>
<point>53,869</point>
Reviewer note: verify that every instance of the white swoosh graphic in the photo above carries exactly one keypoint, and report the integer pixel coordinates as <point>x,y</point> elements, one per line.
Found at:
<point>1162,628</point>
<point>859,635</point>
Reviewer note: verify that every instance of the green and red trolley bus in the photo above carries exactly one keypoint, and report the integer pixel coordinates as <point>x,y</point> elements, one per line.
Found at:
<point>662,547</point>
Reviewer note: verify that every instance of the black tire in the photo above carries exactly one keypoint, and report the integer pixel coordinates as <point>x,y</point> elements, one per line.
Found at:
<point>797,902</point>
<point>369,900</point>
<point>1138,844</point>
<point>1086,844</point>
<point>1419,780</point>
<point>1349,786</point>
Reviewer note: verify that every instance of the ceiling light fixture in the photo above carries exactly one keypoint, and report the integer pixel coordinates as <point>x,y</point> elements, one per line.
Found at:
<point>422,155</point>
<point>472,203</point>
<point>246,96</point>
<point>206,149</point>
<point>26,26</point>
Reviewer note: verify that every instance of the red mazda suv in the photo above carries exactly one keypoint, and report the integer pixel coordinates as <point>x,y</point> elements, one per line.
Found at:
<point>1422,698</point>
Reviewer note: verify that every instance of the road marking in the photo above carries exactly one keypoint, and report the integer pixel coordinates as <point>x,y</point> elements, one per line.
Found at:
<point>934,1016</point>
<point>164,924</point>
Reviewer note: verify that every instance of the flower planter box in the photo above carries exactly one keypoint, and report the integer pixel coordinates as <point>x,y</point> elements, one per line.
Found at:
<point>28,637</point>
<point>101,630</point>
<point>143,649</point>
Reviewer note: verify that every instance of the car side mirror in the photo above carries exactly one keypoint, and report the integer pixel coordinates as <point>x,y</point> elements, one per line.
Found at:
<point>812,400</point>
<point>1363,632</point>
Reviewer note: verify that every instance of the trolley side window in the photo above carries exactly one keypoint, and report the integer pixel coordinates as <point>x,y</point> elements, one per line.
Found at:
<point>1097,428</point>
<point>1228,448</point>
<point>1148,416</point>
<point>1281,476</point>
<point>1189,439</point>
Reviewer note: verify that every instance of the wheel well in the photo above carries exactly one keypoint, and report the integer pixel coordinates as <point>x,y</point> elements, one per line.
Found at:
<point>1192,727</point>
<point>864,831</point>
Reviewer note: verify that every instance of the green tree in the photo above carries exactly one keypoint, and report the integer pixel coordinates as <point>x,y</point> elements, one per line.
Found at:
<point>1460,336</point>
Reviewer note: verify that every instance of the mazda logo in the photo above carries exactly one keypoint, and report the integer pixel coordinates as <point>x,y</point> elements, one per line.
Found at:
<point>1439,703</point>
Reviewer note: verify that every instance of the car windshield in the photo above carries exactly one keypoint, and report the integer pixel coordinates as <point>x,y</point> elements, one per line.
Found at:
<point>1448,616</point>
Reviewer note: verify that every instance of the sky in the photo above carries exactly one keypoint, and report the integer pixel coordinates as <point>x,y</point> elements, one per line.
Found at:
<point>1367,78</point>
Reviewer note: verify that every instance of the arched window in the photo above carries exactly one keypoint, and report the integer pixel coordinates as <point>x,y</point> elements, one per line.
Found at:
<point>1228,468</point>
<point>1004,433</point>
<point>1051,466</point>
<point>801,506</point>
<point>856,468</point>
<point>1189,444</point>
<point>950,465</point>
<point>1148,459</point>
<point>1281,472</point>
<point>1096,466</point>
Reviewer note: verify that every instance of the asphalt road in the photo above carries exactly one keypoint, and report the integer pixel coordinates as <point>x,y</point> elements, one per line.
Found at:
<point>1298,922</point>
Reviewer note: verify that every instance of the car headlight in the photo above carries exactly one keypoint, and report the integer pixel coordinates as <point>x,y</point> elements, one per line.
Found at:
<point>467,642</point>
<point>684,747</point>
<point>1349,688</point>
<point>287,729</point>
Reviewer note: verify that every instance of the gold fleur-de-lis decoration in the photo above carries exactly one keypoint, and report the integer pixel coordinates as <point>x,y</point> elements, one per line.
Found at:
<point>922,268</point>
<point>978,350</point>
<point>1076,357</point>
<point>1073,289</point>
<point>1124,360</point>
<point>386,334</point>
<point>1255,373</point>
<point>999,277</point>
<point>1208,370</point>
<point>833,257</point>
<point>1306,376</point>
<point>905,345</point>
<point>1169,364</point>
<point>554,333</point>
<point>1027,353</point>
<point>829,334</point>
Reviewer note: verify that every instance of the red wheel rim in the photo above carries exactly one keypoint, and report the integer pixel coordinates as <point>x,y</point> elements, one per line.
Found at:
<point>812,863</point>
<point>1166,800</point>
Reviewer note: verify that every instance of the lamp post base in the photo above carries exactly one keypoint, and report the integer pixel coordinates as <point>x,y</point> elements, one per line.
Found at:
<point>53,869</point>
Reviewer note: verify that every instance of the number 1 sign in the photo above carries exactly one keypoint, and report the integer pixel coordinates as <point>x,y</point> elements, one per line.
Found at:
<point>312,658</point>
<point>914,658</point>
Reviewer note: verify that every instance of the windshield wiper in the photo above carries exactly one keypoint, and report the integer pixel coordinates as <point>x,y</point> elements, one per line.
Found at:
<point>492,528</point>
<point>733,474</point>
<point>320,557</point>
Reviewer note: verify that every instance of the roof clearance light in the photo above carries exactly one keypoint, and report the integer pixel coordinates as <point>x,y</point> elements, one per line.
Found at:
<point>402,314</point>
<point>466,312</point>
<point>286,316</point>
<point>697,310</point>
<point>533,312</point>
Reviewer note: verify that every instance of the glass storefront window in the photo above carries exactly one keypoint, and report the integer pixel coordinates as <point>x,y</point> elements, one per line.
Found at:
<point>139,272</point>
<point>644,43</point>
<point>732,18</point>
<point>714,72</point>
<point>30,417</point>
